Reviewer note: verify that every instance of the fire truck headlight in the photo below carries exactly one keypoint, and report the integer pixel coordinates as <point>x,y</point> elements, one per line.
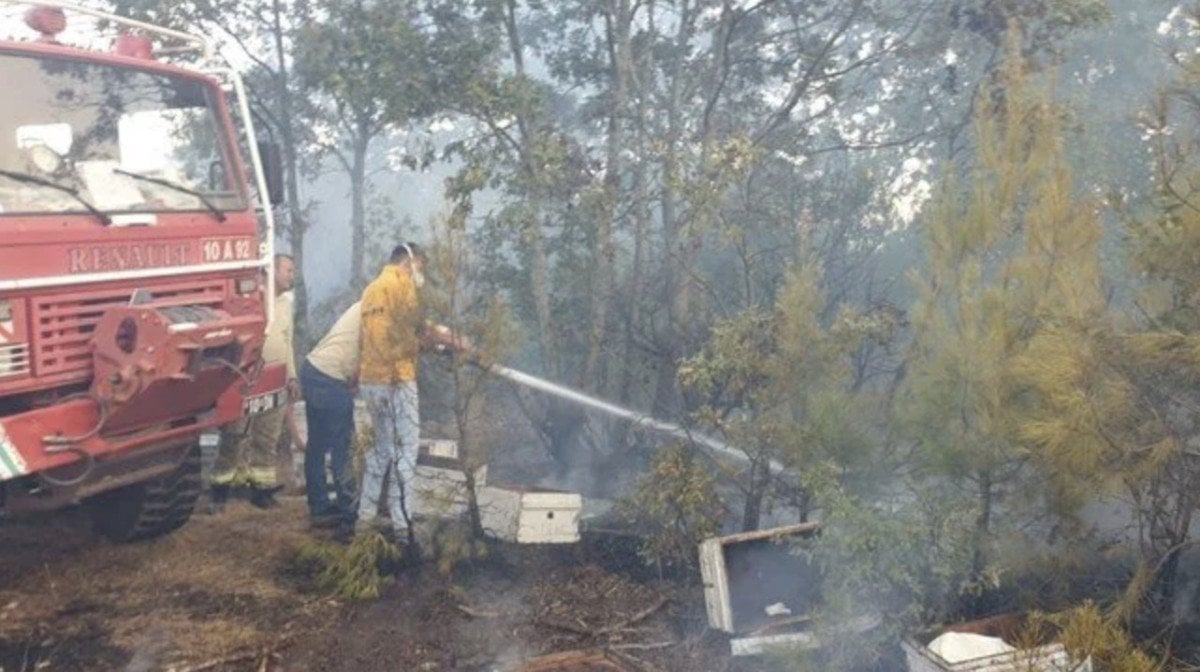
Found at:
<point>247,286</point>
<point>6,312</point>
<point>45,159</point>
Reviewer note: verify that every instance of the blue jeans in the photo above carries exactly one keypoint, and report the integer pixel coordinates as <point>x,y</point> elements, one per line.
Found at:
<point>396,425</point>
<point>329,410</point>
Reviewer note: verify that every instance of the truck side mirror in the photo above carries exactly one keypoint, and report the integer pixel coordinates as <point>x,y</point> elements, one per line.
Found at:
<point>272,164</point>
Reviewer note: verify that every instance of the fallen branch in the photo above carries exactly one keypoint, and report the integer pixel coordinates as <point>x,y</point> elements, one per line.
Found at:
<point>568,627</point>
<point>264,652</point>
<point>633,646</point>
<point>477,613</point>
<point>220,662</point>
<point>629,631</point>
<point>563,660</point>
<point>640,664</point>
<point>584,631</point>
<point>636,618</point>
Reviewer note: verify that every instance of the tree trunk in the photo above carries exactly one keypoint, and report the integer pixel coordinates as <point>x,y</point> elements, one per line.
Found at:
<point>358,208</point>
<point>755,494</point>
<point>983,525</point>
<point>1174,530</point>
<point>296,224</point>
<point>618,19</point>
<point>641,223</point>
<point>539,265</point>
<point>539,269</point>
<point>666,391</point>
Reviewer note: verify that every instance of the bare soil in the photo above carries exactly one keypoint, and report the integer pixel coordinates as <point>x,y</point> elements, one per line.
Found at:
<point>224,593</point>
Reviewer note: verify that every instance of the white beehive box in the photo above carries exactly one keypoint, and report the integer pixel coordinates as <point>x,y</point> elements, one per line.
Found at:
<point>440,481</point>
<point>1050,657</point>
<point>798,637</point>
<point>527,515</point>
<point>444,448</point>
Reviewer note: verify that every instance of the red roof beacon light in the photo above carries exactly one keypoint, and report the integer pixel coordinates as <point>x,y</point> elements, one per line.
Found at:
<point>49,21</point>
<point>134,46</point>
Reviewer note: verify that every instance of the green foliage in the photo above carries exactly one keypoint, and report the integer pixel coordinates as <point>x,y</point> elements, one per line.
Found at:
<point>677,499</point>
<point>733,363</point>
<point>387,62</point>
<point>369,57</point>
<point>1088,632</point>
<point>359,571</point>
<point>777,385</point>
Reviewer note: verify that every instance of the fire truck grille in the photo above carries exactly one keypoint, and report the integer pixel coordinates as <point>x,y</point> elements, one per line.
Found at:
<point>64,323</point>
<point>14,359</point>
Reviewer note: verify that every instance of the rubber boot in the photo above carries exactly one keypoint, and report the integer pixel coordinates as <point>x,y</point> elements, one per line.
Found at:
<point>264,498</point>
<point>217,496</point>
<point>344,534</point>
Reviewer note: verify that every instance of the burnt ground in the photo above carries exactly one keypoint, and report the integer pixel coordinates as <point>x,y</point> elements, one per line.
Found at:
<point>224,594</point>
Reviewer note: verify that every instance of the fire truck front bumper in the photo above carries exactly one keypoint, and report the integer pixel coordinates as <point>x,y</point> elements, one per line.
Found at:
<point>61,443</point>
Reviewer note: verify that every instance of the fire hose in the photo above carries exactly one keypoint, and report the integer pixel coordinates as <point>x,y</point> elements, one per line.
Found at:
<point>54,444</point>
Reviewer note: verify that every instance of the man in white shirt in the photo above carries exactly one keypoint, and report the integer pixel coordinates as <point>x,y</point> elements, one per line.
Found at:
<point>329,377</point>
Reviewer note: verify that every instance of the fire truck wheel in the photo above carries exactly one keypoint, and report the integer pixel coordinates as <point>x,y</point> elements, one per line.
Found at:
<point>150,509</point>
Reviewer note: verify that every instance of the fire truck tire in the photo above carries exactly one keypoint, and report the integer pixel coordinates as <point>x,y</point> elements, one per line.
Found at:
<point>150,509</point>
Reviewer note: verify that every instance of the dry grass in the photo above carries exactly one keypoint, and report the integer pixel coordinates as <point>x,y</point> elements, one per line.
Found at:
<point>215,586</point>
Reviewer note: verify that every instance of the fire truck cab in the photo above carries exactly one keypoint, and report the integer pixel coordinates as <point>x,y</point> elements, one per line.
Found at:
<point>135,266</point>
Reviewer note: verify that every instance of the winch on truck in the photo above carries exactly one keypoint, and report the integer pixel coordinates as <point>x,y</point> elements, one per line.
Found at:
<point>135,268</point>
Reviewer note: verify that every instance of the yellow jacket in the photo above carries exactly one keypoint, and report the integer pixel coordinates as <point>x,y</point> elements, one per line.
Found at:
<point>391,320</point>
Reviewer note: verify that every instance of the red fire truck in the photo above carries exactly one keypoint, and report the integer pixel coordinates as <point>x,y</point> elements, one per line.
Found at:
<point>135,267</point>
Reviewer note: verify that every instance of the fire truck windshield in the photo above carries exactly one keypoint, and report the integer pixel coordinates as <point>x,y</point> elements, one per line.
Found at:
<point>124,140</point>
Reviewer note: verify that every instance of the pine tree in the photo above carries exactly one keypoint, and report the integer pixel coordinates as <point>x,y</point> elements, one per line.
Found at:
<point>1115,401</point>
<point>1012,269</point>
<point>777,384</point>
<point>454,298</point>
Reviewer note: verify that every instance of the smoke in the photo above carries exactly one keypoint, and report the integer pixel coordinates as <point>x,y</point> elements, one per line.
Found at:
<point>501,650</point>
<point>149,650</point>
<point>1185,609</point>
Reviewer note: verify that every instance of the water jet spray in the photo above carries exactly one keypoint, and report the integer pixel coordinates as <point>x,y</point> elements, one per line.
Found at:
<point>638,419</point>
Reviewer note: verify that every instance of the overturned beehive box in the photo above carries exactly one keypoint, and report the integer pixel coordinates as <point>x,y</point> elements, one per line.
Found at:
<point>759,589</point>
<point>754,580</point>
<point>997,644</point>
<point>530,515</point>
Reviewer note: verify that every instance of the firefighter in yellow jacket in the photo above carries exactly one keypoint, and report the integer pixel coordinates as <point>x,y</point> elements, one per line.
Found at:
<point>247,452</point>
<point>394,330</point>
